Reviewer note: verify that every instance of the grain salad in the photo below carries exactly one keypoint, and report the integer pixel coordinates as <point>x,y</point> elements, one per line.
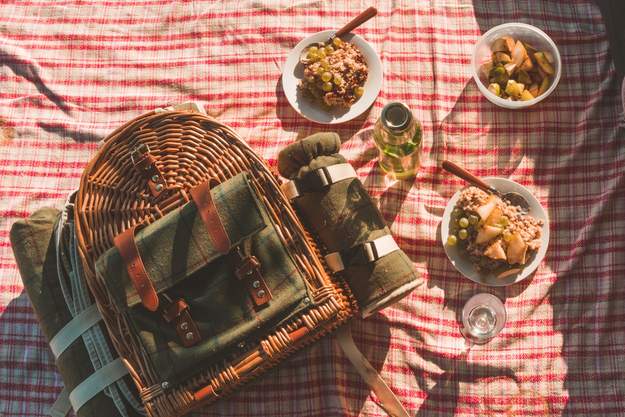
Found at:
<point>334,73</point>
<point>496,235</point>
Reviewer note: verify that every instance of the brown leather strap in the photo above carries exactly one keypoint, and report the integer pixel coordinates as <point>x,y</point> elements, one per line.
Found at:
<point>127,247</point>
<point>201,195</point>
<point>178,313</point>
<point>145,163</point>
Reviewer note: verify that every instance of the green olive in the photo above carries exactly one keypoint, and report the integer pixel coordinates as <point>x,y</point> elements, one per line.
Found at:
<point>359,91</point>
<point>326,76</point>
<point>463,234</point>
<point>463,222</point>
<point>473,219</point>
<point>327,87</point>
<point>452,240</point>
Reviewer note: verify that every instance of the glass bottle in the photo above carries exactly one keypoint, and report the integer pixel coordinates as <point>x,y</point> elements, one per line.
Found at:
<point>397,135</point>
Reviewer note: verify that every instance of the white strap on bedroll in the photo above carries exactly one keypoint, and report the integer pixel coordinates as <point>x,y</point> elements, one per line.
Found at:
<point>326,176</point>
<point>61,406</point>
<point>388,400</point>
<point>74,329</point>
<point>96,382</point>
<point>372,250</point>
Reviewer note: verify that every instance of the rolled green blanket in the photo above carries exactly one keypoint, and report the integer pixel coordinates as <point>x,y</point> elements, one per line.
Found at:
<point>343,215</point>
<point>33,243</point>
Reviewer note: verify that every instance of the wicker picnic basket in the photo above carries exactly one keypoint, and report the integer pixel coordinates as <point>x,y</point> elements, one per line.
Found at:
<point>187,148</point>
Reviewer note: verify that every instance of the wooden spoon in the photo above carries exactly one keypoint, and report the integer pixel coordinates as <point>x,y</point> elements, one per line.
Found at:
<point>513,198</point>
<point>351,25</point>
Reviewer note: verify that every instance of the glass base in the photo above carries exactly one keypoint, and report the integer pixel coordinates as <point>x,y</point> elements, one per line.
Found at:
<point>483,317</point>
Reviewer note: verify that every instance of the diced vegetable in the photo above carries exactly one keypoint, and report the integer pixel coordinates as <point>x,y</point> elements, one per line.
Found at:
<point>495,89</point>
<point>501,58</point>
<point>523,77</point>
<point>514,89</point>
<point>544,85</point>
<point>527,65</point>
<point>526,95</point>
<point>544,63</point>
<point>533,89</point>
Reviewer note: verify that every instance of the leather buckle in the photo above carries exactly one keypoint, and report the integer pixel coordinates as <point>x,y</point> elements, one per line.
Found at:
<point>178,313</point>
<point>248,272</point>
<point>145,163</point>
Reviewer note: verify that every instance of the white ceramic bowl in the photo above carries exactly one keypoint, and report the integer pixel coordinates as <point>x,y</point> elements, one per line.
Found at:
<point>519,31</point>
<point>460,260</point>
<point>293,72</point>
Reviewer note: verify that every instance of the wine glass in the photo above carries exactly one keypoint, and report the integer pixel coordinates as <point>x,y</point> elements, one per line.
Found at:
<point>483,317</point>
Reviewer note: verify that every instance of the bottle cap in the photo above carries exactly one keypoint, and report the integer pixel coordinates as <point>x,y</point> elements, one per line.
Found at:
<point>396,116</point>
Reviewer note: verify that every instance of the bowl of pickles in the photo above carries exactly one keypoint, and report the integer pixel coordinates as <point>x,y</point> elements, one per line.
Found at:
<point>516,65</point>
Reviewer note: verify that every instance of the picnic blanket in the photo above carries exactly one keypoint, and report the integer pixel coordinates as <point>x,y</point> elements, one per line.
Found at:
<point>72,72</point>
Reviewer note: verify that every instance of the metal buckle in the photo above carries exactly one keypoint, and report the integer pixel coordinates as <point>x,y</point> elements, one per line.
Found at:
<point>324,176</point>
<point>142,149</point>
<point>370,251</point>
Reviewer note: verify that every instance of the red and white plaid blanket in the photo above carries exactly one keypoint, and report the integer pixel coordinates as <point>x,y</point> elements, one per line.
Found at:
<point>72,72</point>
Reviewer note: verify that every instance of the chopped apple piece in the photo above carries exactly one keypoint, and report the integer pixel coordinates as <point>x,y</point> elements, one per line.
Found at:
<point>509,272</point>
<point>510,68</point>
<point>494,217</point>
<point>495,251</point>
<point>527,65</point>
<point>519,54</point>
<point>517,249</point>
<point>485,209</point>
<point>509,43</point>
<point>543,63</point>
<point>487,233</point>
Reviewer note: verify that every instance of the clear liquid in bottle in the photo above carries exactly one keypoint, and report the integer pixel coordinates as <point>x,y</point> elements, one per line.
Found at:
<point>398,136</point>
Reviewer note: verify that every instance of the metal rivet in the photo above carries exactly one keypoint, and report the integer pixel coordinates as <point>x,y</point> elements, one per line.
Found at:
<point>165,385</point>
<point>189,336</point>
<point>307,300</point>
<point>241,345</point>
<point>155,178</point>
<point>256,284</point>
<point>159,187</point>
<point>260,293</point>
<point>184,325</point>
